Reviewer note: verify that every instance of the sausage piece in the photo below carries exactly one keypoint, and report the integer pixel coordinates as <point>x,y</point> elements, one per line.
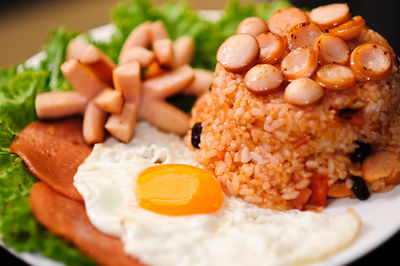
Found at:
<point>165,116</point>
<point>93,124</point>
<point>371,62</point>
<point>58,104</point>
<point>144,56</point>
<point>382,164</point>
<point>303,91</point>
<point>183,51</point>
<point>110,101</point>
<point>272,47</point>
<point>331,49</point>
<point>127,80</point>
<point>158,31</point>
<point>164,52</point>
<point>253,26</point>
<point>238,53</point>
<point>75,49</point>
<point>350,29</point>
<point>303,35</point>
<point>263,78</point>
<point>330,15</point>
<point>335,77</point>
<point>82,79</point>
<point>283,20</point>
<point>201,82</point>
<point>99,63</point>
<point>300,63</point>
<point>168,83</point>
<point>140,36</point>
<point>121,126</point>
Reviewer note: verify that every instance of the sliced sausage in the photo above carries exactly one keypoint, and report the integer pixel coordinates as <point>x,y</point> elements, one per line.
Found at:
<point>165,116</point>
<point>303,91</point>
<point>93,124</point>
<point>335,77</point>
<point>238,53</point>
<point>350,29</point>
<point>82,79</point>
<point>121,126</point>
<point>164,52</point>
<point>253,26</point>
<point>331,49</point>
<point>158,31</point>
<point>58,104</point>
<point>110,100</point>
<point>201,82</point>
<point>140,36</point>
<point>330,15</point>
<point>183,51</point>
<point>283,20</point>
<point>303,35</point>
<point>154,70</point>
<point>300,63</point>
<point>371,62</point>
<point>127,80</point>
<point>272,47</point>
<point>99,63</point>
<point>382,164</point>
<point>144,56</point>
<point>169,83</point>
<point>75,49</point>
<point>262,79</point>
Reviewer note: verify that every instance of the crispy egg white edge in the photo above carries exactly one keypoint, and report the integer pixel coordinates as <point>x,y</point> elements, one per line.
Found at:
<point>107,179</point>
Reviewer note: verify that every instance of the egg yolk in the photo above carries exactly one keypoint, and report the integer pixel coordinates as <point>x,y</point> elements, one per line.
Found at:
<point>177,189</point>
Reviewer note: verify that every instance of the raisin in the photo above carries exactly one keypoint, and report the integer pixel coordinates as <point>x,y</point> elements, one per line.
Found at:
<point>196,133</point>
<point>359,188</point>
<point>346,113</point>
<point>363,151</point>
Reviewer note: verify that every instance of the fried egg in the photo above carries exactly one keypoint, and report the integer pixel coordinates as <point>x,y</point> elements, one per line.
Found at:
<point>153,195</point>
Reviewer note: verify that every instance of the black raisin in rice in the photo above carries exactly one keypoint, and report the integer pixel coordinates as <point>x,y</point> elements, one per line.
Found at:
<point>346,113</point>
<point>196,133</point>
<point>359,188</point>
<point>363,151</point>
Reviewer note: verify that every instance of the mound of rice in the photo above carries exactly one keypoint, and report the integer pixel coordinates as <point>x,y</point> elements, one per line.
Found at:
<point>265,150</point>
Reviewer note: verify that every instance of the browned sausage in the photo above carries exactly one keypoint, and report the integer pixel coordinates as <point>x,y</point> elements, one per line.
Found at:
<point>140,54</point>
<point>335,77</point>
<point>253,26</point>
<point>127,80</point>
<point>110,101</point>
<point>330,15</point>
<point>303,35</point>
<point>168,83</point>
<point>121,126</point>
<point>262,79</point>
<point>82,79</point>
<point>350,29</point>
<point>300,63</point>
<point>93,124</point>
<point>283,20</point>
<point>238,53</point>
<point>59,104</point>
<point>371,62</point>
<point>272,47</point>
<point>331,49</point>
<point>165,116</point>
<point>99,63</point>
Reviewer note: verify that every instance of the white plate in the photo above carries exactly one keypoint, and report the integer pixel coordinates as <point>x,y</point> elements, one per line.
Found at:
<point>380,215</point>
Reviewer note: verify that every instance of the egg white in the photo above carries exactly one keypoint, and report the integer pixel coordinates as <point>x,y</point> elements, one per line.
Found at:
<point>238,234</point>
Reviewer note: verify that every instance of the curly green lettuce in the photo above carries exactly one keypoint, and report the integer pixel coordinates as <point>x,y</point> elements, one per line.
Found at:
<point>20,85</point>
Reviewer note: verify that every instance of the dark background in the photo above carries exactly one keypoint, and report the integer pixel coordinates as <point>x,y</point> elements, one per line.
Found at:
<point>382,16</point>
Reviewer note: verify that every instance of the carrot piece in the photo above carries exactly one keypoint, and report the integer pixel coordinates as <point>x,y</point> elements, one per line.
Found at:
<point>339,190</point>
<point>319,188</point>
<point>67,218</point>
<point>300,201</point>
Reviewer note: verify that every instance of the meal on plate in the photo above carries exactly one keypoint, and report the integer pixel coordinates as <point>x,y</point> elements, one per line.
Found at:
<point>302,107</point>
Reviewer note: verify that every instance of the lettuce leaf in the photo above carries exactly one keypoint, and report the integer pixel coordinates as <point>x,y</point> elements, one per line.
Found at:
<point>20,85</point>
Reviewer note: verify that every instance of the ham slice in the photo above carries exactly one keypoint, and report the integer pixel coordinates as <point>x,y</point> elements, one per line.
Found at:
<point>53,151</point>
<point>67,218</point>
